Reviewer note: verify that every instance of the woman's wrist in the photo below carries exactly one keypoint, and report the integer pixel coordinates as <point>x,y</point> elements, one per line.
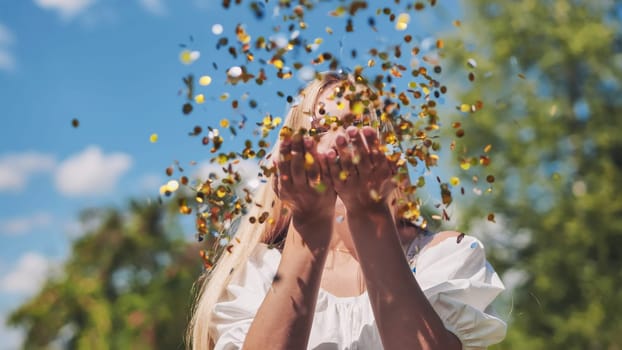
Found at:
<point>315,230</point>
<point>369,208</point>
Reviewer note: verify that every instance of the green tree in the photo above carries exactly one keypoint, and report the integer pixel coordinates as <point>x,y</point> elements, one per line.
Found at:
<point>548,73</point>
<point>126,285</point>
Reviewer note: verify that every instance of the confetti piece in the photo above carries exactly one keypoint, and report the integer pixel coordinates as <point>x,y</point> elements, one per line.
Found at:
<point>153,138</point>
<point>187,108</point>
<point>188,57</point>
<point>402,21</point>
<point>446,194</point>
<point>374,195</point>
<point>75,123</point>
<point>460,237</point>
<point>471,62</point>
<point>205,80</point>
<point>217,29</point>
<point>491,217</point>
<point>200,98</point>
<point>234,72</point>
<point>172,185</point>
<point>454,181</point>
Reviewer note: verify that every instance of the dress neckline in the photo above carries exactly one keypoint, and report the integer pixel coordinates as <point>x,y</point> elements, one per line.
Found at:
<point>322,291</point>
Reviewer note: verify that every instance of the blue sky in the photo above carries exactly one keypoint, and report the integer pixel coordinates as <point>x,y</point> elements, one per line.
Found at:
<point>114,66</point>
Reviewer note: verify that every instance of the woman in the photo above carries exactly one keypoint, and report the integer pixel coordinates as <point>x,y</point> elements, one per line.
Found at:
<point>338,266</point>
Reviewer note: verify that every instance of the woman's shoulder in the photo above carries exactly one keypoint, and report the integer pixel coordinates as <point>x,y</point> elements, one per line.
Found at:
<point>449,246</point>
<point>443,238</point>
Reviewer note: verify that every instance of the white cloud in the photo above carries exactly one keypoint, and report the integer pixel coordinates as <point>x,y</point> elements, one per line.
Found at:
<point>91,172</point>
<point>27,276</point>
<point>24,224</point>
<point>16,169</point>
<point>151,182</point>
<point>7,59</point>
<point>66,8</point>
<point>155,7</point>
<point>6,37</point>
<point>203,4</point>
<point>12,338</point>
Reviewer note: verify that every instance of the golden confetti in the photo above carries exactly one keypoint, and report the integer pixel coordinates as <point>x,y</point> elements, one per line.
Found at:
<point>205,80</point>
<point>188,57</point>
<point>153,138</point>
<point>454,181</point>
<point>404,89</point>
<point>402,21</point>
<point>200,98</point>
<point>309,160</point>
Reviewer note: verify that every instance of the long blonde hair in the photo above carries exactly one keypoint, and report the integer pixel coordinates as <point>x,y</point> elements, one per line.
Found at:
<point>200,334</point>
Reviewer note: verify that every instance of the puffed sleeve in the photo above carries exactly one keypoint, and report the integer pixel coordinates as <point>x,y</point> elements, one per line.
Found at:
<point>460,285</point>
<point>233,314</point>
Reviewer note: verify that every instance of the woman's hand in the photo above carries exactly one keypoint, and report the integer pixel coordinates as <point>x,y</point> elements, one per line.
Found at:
<point>360,172</point>
<point>302,182</point>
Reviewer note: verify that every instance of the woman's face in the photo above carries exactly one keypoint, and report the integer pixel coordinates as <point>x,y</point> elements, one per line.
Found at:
<point>329,105</point>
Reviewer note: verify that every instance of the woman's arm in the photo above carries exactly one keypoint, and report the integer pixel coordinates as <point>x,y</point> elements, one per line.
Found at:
<point>403,314</point>
<point>285,317</point>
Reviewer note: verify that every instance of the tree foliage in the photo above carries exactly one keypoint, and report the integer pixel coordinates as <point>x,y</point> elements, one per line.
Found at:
<point>126,285</point>
<point>548,73</point>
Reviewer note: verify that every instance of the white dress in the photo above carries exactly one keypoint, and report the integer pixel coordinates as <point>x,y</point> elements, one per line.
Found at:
<point>455,277</point>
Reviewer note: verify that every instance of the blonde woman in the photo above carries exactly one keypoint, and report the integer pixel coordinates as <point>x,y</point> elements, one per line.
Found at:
<point>338,268</point>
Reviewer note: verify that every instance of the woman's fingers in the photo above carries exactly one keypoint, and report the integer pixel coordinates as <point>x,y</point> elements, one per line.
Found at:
<point>345,154</point>
<point>333,171</point>
<point>360,150</point>
<point>284,163</point>
<point>376,155</point>
<point>312,163</point>
<point>299,177</point>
